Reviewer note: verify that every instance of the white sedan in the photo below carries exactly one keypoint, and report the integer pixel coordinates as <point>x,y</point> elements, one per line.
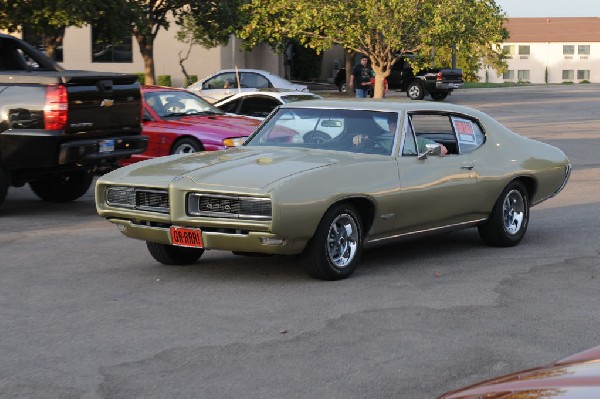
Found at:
<point>230,81</point>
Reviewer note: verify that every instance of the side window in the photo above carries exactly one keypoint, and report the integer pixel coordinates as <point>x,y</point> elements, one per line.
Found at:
<point>221,81</point>
<point>231,107</point>
<point>258,106</point>
<point>410,145</point>
<point>434,128</point>
<point>254,80</point>
<point>469,134</point>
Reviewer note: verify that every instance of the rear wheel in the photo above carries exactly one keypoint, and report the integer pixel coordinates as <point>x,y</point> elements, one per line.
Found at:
<point>63,187</point>
<point>415,91</point>
<point>438,96</point>
<point>334,251</point>
<point>173,255</point>
<point>508,221</point>
<point>186,146</point>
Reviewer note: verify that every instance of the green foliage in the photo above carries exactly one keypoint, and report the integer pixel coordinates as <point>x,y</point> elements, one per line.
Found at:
<point>164,80</point>
<point>141,76</point>
<point>307,63</point>
<point>191,79</point>
<point>585,81</point>
<point>381,29</point>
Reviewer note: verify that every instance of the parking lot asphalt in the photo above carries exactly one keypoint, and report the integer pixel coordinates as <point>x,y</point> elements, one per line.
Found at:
<point>86,313</point>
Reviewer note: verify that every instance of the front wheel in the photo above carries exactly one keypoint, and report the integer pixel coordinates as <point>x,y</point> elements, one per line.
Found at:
<point>186,146</point>
<point>334,251</point>
<point>508,221</point>
<point>415,91</point>
<point>63,187</point>
<point>173,255</point>
<point>438,96</point>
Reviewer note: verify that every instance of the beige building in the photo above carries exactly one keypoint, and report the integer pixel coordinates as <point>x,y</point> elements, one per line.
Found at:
<point>550,50</point>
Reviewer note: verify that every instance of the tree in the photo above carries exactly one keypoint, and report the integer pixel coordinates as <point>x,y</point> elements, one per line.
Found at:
<point>384,30</point>
<point>47,18</point>
<point>211,28</point>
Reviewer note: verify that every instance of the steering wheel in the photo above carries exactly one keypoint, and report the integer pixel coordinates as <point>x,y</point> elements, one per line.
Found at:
<point>174,106</point>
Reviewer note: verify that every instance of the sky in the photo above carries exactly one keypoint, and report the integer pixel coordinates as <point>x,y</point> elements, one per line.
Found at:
<point>550,8</point>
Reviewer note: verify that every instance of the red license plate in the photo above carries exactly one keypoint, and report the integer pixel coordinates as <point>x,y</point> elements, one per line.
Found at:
<point>183,237</point>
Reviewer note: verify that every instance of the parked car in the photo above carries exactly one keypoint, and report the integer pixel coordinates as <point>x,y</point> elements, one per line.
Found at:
<point>260,103</point>
<point>329,199</point>
<point>575,377</point>
<point>177,122</point>
<point>227,82</point>
<point>436,82</point>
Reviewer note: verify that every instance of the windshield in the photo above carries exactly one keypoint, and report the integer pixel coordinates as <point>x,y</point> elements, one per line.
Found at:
<point>175,103</point>
<point>368,132</point>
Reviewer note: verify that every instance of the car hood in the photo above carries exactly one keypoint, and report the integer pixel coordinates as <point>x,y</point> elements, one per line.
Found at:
<point>244,168</point>
<point>572,378</point>
<point>223,125</point>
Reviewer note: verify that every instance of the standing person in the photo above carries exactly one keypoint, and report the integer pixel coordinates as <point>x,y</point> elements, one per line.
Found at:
<point>361,78</point>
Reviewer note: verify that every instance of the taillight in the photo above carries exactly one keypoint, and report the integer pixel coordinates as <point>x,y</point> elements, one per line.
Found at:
<point>438,76</point>
<point>56,108</point>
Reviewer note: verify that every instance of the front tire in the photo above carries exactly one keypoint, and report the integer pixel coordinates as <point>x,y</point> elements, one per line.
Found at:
<point>186,146</point>
<point>509,219</point>
<point>63,187</point>
<point>173,255</point>
<point>415,91</point>
<point>334,251</point>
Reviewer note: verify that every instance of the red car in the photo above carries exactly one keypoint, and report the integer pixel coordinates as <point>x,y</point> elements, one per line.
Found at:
<point>575,377</point>
<point>177,122</point>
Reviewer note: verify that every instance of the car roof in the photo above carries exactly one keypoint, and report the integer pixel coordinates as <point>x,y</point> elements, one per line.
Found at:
<point>385,106</point>
<point>148,88</point>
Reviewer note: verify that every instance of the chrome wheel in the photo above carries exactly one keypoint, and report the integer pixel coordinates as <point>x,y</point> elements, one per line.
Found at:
<point>184,149</point>
<point>513,212</point>
<point>342,240</point>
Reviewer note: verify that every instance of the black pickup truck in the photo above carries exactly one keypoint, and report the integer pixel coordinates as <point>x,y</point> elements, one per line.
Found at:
<point>437,82</point>
<point>59,127</point>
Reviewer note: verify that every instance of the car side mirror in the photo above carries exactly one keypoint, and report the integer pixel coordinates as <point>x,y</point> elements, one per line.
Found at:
<point>431,149</point>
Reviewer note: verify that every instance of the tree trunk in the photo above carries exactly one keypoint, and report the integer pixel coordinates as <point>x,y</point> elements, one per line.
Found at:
<point>146,44</point>
<point>381,73</point>
<point>348,60</point>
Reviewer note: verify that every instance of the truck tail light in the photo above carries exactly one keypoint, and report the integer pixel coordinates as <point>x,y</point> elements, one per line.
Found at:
<point>56,108</point>
<point>438,77</point>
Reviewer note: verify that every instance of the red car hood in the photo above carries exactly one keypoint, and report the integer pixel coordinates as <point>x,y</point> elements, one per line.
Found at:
<point>576,377</point>
<point>225,125</point>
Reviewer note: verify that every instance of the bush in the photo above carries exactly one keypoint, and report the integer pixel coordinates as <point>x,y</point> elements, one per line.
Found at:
<point>567,83</point>
<point>191,80</point>
<point>164,80</point>
<point>585,81</point>
<point>141,77</point>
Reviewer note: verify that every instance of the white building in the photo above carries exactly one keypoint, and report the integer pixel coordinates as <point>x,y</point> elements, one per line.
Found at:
<point>550,50</point>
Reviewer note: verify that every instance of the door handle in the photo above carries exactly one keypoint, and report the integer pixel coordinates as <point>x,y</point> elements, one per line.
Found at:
<point>469,166</point>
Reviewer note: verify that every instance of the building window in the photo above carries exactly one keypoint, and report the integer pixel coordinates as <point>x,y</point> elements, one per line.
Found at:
<point>109,47</point>
<point>568,49</point>
<point>568,74</point>
<point>583,49</point>
<point>524,50</point>
<point>508,75</point>
<point>523,75</point>
<point>508,50</point>
<point>583,74</point>
<point>37,41</point>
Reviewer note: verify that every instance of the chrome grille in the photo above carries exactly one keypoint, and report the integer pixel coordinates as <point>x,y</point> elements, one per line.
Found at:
<point>229,206</point>
<point>138,198</point>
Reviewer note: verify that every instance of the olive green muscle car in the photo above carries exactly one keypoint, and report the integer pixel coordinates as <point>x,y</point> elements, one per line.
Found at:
<point>366,173</point>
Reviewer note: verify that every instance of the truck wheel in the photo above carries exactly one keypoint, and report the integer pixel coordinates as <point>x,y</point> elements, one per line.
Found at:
<point>4,184</point>
<point>334,251</point>
<point>63,187</point>
<point>438,96</point>
<point>186,146</point>
<point>173,255</point>
<point>415,91</point>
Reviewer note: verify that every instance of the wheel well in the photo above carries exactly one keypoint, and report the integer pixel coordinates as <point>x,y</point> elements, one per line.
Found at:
<point>176,142</point>
<point>366,210</point>
<point>530,185</point>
